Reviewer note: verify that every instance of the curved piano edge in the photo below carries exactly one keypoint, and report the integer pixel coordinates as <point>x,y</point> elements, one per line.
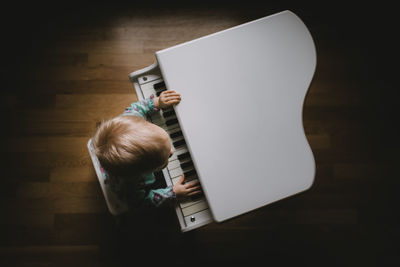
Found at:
<point>134,75</point>
<point>312,72</point>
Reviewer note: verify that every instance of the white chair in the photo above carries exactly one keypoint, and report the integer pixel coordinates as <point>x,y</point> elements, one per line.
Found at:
<point>115,206</point>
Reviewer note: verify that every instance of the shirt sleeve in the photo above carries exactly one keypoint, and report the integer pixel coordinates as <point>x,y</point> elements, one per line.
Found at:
<point>157,197</point>
<point>141,108</point>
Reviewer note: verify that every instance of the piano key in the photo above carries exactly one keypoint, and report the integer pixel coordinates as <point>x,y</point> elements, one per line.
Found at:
<point>158,120</point>
<point>190,178</point>
<point>176,134</point>
<point>171,122</point>
<point>179,143</point>
<point>168,113</point>
<point>173,164</point>
<point>177,152</point>
<point>148,88</point>
<point>169,128</point>
<point>190,173</point>
<point>183,156</point>
<point>201,205</point>
<point>172,126</point>
<point>159,85</point>
<point>196,198</point>
<point>177,172</point>
<point>190,202</point>
<point>175,180</point>
<point>186,164</point>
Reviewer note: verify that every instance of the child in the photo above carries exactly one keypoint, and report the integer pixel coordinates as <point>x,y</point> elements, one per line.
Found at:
<point>130,149</point>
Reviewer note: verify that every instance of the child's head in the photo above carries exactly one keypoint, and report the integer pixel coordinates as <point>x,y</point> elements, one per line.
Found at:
<point>128,145</point>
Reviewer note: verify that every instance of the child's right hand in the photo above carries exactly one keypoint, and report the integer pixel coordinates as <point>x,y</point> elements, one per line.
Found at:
<point>183,191</point>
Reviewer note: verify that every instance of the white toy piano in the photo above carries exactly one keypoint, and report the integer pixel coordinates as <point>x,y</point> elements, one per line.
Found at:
<point>238,128</point>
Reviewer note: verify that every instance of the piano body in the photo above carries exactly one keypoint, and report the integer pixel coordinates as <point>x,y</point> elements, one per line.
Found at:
<point>238,128</point>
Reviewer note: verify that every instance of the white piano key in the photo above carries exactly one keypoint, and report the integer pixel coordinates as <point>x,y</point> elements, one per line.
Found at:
<point>174,131</point>
<point>168,128</point>
<point>189,202</point>
<point>173,164</point>
<point>201,205</point>
<point>175,172</point>
<point>177,152</point>
<point>175,180</point>
<point>160,120</point>
<point>179,171</point>
<point>173,157</point>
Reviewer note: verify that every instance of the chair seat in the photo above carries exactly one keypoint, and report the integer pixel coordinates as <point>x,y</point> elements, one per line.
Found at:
<point>115,206</point>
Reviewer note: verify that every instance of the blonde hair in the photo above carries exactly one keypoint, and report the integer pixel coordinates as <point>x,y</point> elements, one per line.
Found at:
<point>128,145</point>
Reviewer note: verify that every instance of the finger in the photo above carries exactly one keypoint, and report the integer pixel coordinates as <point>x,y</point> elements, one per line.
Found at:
<point>172,94</point>
<point>194,193</point>
<point>192,184</point>
<point>191,189</point>
<point>172,97</point>
<point>169,92</point>
<point>189,186</point>
<point>182,179</point>
<point>172,102</point>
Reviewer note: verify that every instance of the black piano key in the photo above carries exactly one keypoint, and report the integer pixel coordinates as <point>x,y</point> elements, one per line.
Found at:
<point>189,173</point>
<point>197,197</point>
<point>158,85</point>
<point>171,122</point>
<point>179,143</point>
<point>159,92</point>
<point>186,164</point>
<point>169,113</point>
<point>183,156</point>
<point>190,177</point>
<point>175,135</point>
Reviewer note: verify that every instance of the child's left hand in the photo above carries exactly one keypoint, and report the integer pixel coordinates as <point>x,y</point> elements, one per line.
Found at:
<point>167,99</point>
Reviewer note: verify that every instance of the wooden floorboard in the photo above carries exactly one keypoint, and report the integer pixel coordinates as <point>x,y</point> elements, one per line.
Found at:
<point>64,71</point>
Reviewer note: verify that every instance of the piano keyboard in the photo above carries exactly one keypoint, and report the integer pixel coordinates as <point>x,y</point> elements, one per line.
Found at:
<point>194,212</point>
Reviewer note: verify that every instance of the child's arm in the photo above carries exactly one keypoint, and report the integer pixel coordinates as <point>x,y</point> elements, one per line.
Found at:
<point>143,107</point>
<point>157,197</point>
<point>179,190</point>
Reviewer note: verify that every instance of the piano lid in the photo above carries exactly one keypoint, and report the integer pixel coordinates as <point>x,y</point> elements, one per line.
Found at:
<point>241,111</point>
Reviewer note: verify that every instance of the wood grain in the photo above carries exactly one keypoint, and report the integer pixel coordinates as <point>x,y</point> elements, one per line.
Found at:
<point>69,70</point>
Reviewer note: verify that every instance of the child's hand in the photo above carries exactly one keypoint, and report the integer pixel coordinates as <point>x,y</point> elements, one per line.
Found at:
<point>186,190</point>
<point>167,99</point>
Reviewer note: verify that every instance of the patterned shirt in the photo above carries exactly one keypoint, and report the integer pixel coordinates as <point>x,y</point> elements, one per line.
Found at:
<point>139,191</point>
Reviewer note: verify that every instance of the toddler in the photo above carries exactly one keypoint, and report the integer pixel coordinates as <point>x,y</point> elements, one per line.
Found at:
<point>130,149</point>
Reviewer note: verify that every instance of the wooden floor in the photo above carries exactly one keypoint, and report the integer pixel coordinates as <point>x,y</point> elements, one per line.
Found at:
<point>65,70</point>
